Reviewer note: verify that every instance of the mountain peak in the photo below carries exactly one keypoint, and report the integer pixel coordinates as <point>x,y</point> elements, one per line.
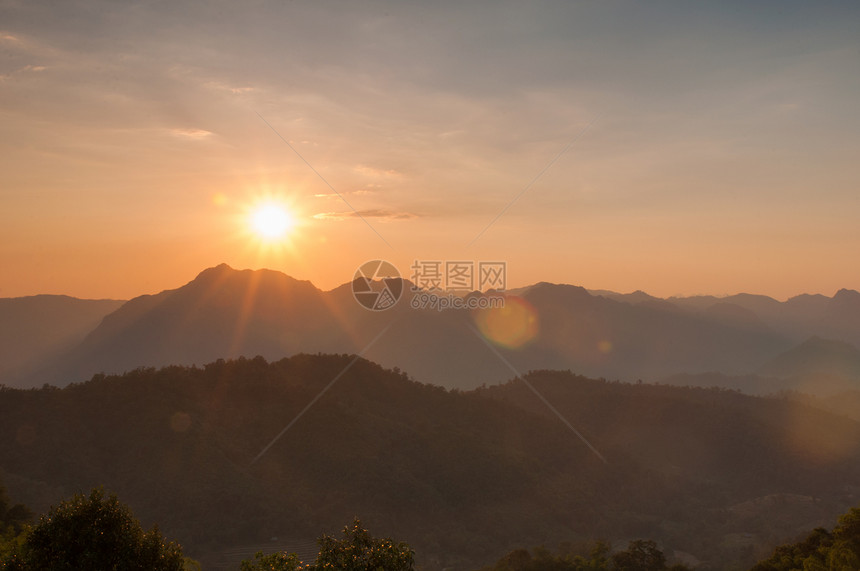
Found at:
<point>225,272</point>
<point>844,306</point>
<point>847,294</point>
<point>557,288</point>
<point>215,271</point>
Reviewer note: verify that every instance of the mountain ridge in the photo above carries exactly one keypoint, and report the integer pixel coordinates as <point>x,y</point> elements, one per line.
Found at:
<point>224,312</point>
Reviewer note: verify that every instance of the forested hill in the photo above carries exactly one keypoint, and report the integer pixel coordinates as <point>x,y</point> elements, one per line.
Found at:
<point>464,477</point>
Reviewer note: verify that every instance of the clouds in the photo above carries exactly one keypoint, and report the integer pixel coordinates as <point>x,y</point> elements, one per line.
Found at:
<point>426,113</point>
<point>500,73</point>
<point>379,214</point>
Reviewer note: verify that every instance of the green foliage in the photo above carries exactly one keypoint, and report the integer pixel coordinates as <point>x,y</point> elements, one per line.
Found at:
<point>838,550</point>
<point>641,555</point>
<point>13,520</point>
<point>356,551</point>
<point>93,532</point>
<point>273,562</point>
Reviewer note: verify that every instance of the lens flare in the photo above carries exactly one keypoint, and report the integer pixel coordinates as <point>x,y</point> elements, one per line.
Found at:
<point>513,325</point>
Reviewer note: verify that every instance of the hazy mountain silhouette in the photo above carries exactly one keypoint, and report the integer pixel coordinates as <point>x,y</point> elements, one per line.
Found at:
<point>36,329</point>
<point>222,313</point>
<point>226,313</point>
<point>750,384</point>
<point>798,318</point>
<point>817,357</point>
<point>634,298</point>
<point>462,476</point>
<point>842,317</point>
<point>600,336</point>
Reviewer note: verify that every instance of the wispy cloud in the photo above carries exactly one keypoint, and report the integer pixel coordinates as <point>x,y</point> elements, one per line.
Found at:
<point>233,89</point>
<point>357,192</point>
<point>379,214</point>
<point>193,134</point>
<point>376,172</point>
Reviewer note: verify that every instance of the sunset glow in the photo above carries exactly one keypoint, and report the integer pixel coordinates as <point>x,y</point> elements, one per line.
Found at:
<point>648,151</point>
<point>271,221</point>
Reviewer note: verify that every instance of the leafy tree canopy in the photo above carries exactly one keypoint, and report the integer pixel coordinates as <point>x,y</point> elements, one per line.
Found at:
<point>640,555</point>
<point>93,532</point>
<point>823,550</point>
<point>357,550</point>
<point>13,519</point>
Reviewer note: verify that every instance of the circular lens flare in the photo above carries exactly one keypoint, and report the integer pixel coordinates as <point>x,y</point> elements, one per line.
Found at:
<point>512,326</point>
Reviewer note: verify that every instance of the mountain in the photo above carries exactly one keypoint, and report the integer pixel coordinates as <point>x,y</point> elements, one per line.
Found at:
<point>634,298</point>
<point>822,367</point>
<point>842,317</point>
<point>817,357</point>
<point>464,477</point>
<point>221,313</point>
<point>37,328</point>
<point>796,319</point>
<point>227,313</point>
<point>599,336</point>
<point>749,384</point>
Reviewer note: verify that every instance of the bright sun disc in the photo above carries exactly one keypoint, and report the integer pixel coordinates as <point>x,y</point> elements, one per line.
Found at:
<point>271,221</point>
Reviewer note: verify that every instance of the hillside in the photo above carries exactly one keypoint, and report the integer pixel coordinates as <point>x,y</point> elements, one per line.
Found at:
<point>464,477</point>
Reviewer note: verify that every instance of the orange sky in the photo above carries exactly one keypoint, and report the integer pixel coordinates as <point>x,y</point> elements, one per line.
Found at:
<point>705,149</point>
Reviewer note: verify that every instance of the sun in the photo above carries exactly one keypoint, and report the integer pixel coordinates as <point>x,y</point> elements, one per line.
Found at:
<point>271,221</point>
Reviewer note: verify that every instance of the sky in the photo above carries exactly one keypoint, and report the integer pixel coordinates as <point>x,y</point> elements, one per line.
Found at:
<point>673,147</point>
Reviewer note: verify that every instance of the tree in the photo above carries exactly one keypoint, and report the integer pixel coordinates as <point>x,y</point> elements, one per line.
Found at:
<point>357,551</point>
<point>13,519</point>
<point>641,555</point>
<point>845,553</point>
<point>822,550</point>
<point>273,562</point>
<point>93,532</point>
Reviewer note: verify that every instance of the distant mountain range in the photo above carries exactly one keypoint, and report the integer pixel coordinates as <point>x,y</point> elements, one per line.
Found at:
<point>37,329</point>
<point>226,313</point>
<point>816,356</point>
